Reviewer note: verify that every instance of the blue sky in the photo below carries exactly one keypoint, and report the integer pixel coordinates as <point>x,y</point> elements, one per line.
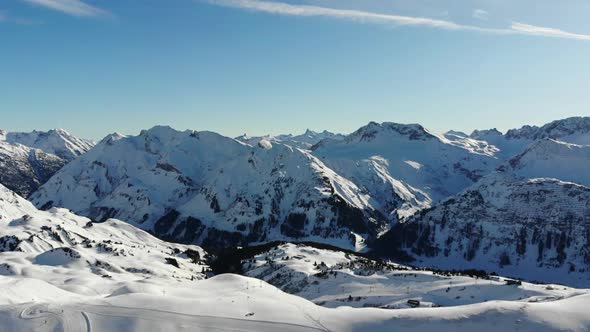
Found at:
<point>256,67</point>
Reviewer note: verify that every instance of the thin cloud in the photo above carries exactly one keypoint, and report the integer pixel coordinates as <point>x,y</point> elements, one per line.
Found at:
<point>547,32</point>
<point>357,15</point>
<point>70,7</point>
<point>281,8</point>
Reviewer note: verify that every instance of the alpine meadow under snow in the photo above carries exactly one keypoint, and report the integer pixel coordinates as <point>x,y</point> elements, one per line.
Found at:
<point>391,227</point>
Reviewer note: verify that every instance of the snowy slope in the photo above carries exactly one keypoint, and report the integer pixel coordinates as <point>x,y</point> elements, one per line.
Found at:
<point>303,141</point>
<point>571,130</point>
<point>201,187</point>
<point>528,220</point>
<point>24,169</point>
<point>63,247</point>
<point>549,158</point>
<point>234,303</point>
<point>57,142</point>
<point>334,278</point>
<point>506,147</point>
<point>56,292</point>
<point>478,146</point>
<point>406,167</point>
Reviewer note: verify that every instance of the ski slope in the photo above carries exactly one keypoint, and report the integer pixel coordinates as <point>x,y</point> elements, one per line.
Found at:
<point>61,272</point>
<point>234,303</point>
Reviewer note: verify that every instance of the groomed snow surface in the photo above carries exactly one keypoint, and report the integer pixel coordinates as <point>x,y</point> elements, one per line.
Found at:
<point>60,272</point>
<point>57,294</point>
<point>234,303</point>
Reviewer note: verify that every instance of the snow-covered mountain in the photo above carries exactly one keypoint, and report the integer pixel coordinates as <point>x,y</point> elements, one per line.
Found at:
<point>525,217</point>
<point>59,244</point>
<point>57,142</point>
<point>405,168</point>
<point>201,187</point>
<point>529,219</point>
<point>571,130</point>
<point>303,141</point>
<point>207,189</point>
<point>24,169</point>
<point>27,160</point>
<point>549,158</point>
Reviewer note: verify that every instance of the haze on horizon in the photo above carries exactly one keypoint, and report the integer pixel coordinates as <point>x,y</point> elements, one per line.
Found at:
<point>272,67</point>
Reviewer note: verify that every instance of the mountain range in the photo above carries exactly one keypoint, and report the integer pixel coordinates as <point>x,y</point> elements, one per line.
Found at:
<point>516,203</point>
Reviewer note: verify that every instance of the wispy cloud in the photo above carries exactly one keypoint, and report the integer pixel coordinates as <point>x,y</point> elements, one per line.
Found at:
<point>281,8</point>
<point>357,15</point>
<point>547,32</point>
<point>70,7</point>
<point>480,14</point>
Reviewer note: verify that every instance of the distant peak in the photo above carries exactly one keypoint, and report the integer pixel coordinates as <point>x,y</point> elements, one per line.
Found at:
<point>477,134</point>
<point>159,131</point>
<point>411,131</point>
<point>456,133</point>
<point>110,138</point>
<point>309,132</point>
<point>161,128</point>
<point>60,131</point>
<point>554,129</point>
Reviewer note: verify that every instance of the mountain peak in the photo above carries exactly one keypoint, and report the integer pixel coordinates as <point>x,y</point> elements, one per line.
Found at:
<point>55,141</point>
<point>484,133</point>
<point>374,129</point>
<point>110,138</point>
<point>309,132</point>
<point>159,130</point>
<point>555,129</point>
<point>60,132</point>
